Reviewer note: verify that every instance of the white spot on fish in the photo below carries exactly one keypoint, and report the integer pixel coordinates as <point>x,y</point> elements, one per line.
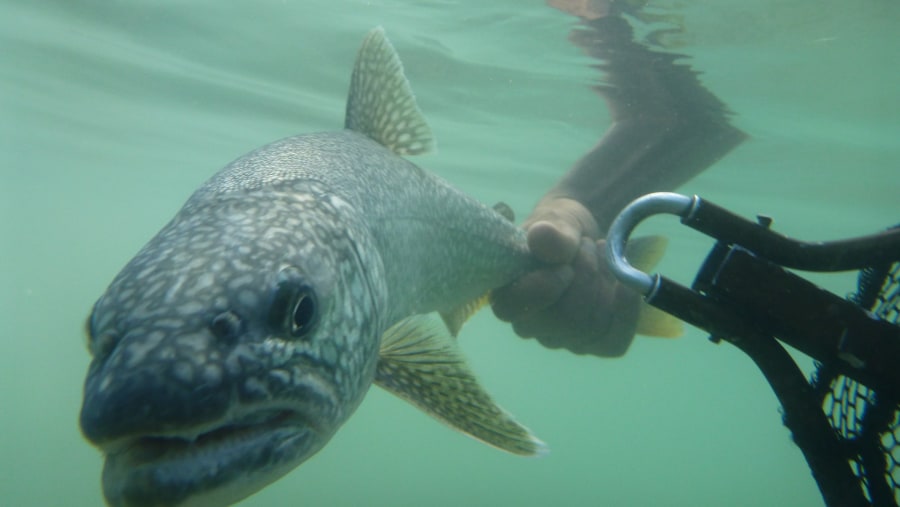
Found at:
<point>173,290</point>
<point>255,386</point>
<point>137,350</point>
<point>105,383</point>
<point>212,374</point>
<point>190,308</point>
<point>247,298</point>
<point>183,371</point>
<point>278,351</point>
<point>280,376</point>
<point>195,341</point>
<point>240,281</point>
<point>196,263</point>
<point>167,353</point>
<point>144,273</point>
<point>204,281</point>
<point>125,295</point>
<point>240,265</point>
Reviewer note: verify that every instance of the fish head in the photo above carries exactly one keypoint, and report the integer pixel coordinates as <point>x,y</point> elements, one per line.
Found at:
<point>230,349</point>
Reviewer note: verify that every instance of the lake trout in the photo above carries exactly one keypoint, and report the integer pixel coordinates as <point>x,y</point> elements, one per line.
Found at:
<point>241,337</point>
<point>238,340</point>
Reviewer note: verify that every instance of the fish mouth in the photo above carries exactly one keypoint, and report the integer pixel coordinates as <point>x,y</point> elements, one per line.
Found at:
<point>217,464</point>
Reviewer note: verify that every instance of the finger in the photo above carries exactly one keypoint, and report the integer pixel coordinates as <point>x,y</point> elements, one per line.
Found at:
<point>619,334</point>
<point>550,328</point>
<point>572,311</point>
<point>620,326</point>
<point>555,228</point>
<point>553,242</point>
<point>584,328</point>
<point>532,292</point>
<point>596,315</point>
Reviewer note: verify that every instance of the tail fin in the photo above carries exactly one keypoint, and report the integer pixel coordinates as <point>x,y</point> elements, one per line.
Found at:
<point>644,254</point>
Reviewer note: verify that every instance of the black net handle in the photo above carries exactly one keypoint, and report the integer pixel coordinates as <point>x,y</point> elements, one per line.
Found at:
<point>729,299</point>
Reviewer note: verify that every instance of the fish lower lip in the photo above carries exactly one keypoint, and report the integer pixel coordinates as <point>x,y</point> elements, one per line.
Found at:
<point>152,447</point>
<point>168,469</point>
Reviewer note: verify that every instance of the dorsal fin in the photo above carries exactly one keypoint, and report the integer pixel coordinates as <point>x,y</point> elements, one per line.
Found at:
<point>421,363</point>
<point>381,104</point>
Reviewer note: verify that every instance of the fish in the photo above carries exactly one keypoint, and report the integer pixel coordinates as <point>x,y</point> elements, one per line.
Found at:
<point>243,335</point>
<point>246,332</point>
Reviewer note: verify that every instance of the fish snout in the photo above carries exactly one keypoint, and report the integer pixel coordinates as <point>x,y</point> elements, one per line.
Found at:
<point>162,391</point>
<point>183,385</point>
<point>181,425</point>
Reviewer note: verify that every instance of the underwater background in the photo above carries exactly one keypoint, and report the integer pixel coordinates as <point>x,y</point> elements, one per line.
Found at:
<point>113,112</point>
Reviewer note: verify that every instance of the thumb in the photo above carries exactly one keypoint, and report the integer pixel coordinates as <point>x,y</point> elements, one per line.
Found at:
<point>555,228</point>
<point>553,241</point>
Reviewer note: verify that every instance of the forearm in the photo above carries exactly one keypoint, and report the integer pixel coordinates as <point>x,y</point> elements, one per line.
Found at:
<point>666,126</point>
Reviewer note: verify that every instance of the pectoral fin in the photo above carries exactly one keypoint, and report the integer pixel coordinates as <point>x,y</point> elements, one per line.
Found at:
<point>421,363</point>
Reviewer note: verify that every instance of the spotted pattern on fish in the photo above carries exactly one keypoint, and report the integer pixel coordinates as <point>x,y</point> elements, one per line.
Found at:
<point>245,333</point>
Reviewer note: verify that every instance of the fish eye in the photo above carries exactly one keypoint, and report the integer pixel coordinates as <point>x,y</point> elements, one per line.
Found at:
<point>304,313</point>
<point>294,308</point>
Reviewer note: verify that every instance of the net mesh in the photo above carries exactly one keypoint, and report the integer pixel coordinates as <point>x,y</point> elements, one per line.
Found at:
<point>867,424</point>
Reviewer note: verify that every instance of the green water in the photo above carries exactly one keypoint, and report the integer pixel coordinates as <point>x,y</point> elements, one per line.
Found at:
<point>111,113</point>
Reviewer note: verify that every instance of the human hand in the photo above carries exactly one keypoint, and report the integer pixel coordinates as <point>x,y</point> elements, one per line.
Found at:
<point>572,301</point>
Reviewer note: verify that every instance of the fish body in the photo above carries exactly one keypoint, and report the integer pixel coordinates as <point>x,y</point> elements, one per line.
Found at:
<point>246,332</point>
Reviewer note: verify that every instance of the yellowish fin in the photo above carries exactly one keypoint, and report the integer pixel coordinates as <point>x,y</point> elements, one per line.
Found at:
<point>381,103</point>
<point>654,322</point>
<point>421,363</point>
<point>455,318</point>
<point>644,253</point>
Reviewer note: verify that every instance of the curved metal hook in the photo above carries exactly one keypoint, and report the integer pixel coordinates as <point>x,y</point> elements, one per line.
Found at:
<point>639,210</point>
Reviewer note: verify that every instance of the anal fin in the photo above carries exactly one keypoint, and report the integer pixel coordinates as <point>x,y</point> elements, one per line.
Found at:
<point>455,318</point>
